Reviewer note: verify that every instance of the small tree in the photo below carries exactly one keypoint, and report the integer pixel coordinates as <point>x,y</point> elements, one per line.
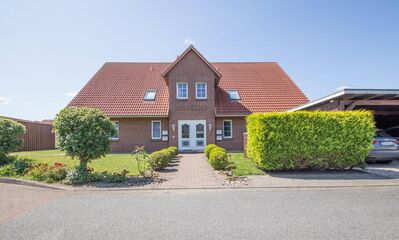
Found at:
<point>83,133</point>
<point>9,136</point>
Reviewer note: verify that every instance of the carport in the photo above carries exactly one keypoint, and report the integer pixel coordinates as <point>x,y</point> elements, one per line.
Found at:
<point>384,103</point>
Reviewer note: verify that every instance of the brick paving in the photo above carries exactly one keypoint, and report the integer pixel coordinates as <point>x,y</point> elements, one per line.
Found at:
<point>190,170</point>
<point>16,199</point>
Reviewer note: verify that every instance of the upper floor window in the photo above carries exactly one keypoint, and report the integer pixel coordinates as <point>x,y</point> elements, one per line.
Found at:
<point>200,89</point>
<point>116,135</point>
<point>150,95</point>
<point>182,90</point>
<point>233,95</point>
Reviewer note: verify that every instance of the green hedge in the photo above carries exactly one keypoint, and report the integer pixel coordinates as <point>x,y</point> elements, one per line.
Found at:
<point>318,140</point>
<point>160,159</point>
<point>208,149</point>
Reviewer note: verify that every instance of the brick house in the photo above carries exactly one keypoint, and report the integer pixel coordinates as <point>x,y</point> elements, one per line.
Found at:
<point>187,103</point>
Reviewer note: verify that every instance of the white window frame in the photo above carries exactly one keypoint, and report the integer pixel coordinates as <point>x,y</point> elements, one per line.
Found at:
<point>118,130</point>
<point>234,90</point>
<point>231,128</point>
<point>177,90</point>
<point>152,130</point>
<point>146,94</point>
<point>206,90</point>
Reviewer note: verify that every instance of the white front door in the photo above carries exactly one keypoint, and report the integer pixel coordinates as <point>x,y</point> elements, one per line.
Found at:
<point>192,135</point>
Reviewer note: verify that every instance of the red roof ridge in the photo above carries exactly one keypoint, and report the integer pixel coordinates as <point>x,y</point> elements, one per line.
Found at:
<point>191,48</point>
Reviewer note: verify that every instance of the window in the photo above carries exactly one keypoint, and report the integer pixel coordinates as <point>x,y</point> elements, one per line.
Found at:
<point>156,129</point>
<point>227,128</point>
<point>233,95</point>
<point>116,135</point>
<point>200,89</point>
<point>182,91</point>
<point>150,95</point>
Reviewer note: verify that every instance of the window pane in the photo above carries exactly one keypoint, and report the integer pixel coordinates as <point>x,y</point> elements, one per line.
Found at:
<point>200,130</point>
<point>150,95</point>
<point>156,129</point>
<point>227,128</point>
<point>116,135</point>
<point>201,90</point>
<point>185,131</point>
<point>233,95</point>
<point>182,90</point>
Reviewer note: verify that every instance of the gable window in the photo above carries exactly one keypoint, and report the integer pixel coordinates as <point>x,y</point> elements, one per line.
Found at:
<point>182,90</point>
<point>227,128</point>
<point>233,95</point>
<point>150,95</point>
<point>200,89</point>
<point>116,135</point>
<point>156,129</point>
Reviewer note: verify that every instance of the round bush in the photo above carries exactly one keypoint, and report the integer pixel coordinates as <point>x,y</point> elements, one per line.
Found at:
<point>218,158</point>
<point>9,137</point>
<point>208,149</point>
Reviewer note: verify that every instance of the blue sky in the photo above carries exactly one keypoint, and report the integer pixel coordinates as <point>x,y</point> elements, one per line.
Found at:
<point>50,49</point>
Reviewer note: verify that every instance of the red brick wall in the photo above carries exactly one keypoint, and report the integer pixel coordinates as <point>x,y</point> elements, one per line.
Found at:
<point>239,127</point>
<point>137,131</point>
<point>191,69</point>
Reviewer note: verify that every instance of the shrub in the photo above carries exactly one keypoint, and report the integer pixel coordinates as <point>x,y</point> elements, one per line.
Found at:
<point>174,151</point>
<point>21,165</point>
<point>45,173</point>
<point>142,159</point>
<point>9,137</point>
<point>159,159</point>
<point>218,158</point>
<point>81,176</point>
<point>113,177</point>
<point>318,140</point>
<point>83,133</point>
<point>208,149</point>
<point>8,171</point>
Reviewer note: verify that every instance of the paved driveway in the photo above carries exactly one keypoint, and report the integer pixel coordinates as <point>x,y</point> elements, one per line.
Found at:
<point>190,171</point>
<point>387,170</point>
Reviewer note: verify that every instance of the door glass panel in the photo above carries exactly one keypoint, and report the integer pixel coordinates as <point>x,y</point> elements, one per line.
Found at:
<point>200,143</point>
<point>200,130</point>
<point>185,131</point>
<point>185,143</point>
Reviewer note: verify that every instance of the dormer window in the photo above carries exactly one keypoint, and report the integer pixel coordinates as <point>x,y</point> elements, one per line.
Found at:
<point>182,90</point>
<point>150,95</point>
<point>233,95</point>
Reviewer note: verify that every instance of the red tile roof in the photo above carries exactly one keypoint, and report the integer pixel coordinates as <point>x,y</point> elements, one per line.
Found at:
<point>118,89</point>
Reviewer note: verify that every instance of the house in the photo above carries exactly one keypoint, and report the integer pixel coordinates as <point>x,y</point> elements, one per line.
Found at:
<point>187,103</point>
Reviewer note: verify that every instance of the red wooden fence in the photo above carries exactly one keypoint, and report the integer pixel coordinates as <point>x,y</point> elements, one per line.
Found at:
<point>38,136</point>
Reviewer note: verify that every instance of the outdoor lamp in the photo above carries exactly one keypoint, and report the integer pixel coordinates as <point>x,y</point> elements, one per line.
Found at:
<point>210,126</point>
<point>173,127</point>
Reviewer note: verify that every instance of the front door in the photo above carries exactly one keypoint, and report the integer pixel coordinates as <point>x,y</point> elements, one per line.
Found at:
<point>192,135</point>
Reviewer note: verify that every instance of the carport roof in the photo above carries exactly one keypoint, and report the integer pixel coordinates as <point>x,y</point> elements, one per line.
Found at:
<point>353,94</point>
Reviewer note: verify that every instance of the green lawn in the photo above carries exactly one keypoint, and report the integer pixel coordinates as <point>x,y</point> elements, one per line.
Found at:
<point>244,166</point>
<point>111,162</point>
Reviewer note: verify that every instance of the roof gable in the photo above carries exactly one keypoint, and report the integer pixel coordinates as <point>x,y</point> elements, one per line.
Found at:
<point>183,55</point>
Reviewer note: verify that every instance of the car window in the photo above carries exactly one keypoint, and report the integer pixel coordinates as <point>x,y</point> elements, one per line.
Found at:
<point>393,132</point>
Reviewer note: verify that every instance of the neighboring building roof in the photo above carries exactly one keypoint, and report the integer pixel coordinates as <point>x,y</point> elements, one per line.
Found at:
<point>352,94</point>
<point>118,89</point>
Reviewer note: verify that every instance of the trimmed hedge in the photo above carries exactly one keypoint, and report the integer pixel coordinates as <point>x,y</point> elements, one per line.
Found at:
<point>318,140</point>
<point>208,149</point>
<point>160,159</point>
<point>217,157</point>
